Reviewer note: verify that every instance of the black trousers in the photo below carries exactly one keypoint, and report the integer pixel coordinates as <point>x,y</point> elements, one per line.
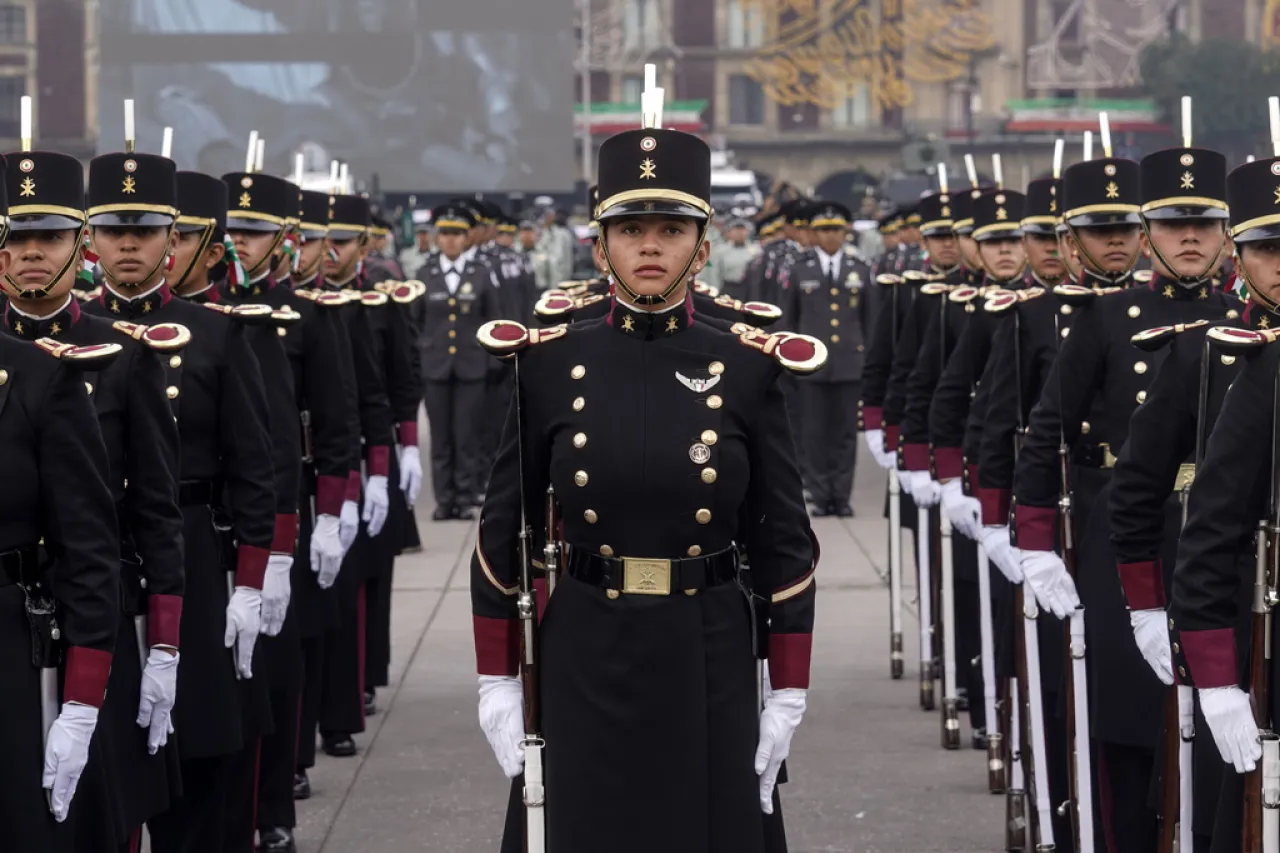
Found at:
<point>969,649</point>
<point>342,694</point>
<point>1128,823</point>
<point>241,813</point>
<point>454,408</point>
<point>829,427</point>
<point>277,763</point>
<point>309,706</point>
<point>377,635</point>
<point>196,822</point>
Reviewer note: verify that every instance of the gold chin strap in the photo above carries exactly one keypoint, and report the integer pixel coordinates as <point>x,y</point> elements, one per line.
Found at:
<point>57,277</point>
<point>205,239</point>
<point>662,298</point>
<point>1183,279</point>
<point>150,276</point>
<point>1091,266</point>
<point>1255,292</point>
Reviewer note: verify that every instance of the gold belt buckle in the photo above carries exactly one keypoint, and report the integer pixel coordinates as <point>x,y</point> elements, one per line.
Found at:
<point>646,577</point>
<point>1186,476</point>
<point>1108,458</point>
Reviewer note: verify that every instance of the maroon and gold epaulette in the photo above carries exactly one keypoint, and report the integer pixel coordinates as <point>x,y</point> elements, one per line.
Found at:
<point>1231,339</point>
<point>88,295</point>
<point>1150,340</point>
<point>250,313</point>
<point>574,288</point>
<point>701,287</point>
<point>327,298</point>
<point>798,354</point>
<point>372,299</point>
<point>763,312</point>
<point>401,292</point>
<point>744,328</point>
<point>1142,276</point>
<point>505,338</point>
<point>937,288</point>
<point>1075,295</point>
<point>93,357</point>
<point>162,337</point>
<point>963,294</point>
<point>889,279</point>
<point>589,299</point>
<point>551,306</point>
<point>1006,299</point>
<point>915,276</point>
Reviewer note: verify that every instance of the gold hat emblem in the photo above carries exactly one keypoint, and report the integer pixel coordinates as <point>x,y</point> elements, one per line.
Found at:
<point>1113,190</point>
<point>646,169</point>
<point>1277,195</point>
<point>1001,214</point>
<point>27,165</point>
<point>131,165</point>
<point>648,143</point>
<point>1186,159</point>
<point>245,200</point>
<point>129,187</point>
<point>246,182</point>
<point>1188,181</point>
<point>28,187</point>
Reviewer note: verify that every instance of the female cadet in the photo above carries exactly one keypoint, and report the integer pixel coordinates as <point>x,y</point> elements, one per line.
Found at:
<point>667,445</point>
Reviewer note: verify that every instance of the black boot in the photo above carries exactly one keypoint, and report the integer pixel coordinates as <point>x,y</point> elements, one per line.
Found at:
<point>370,702</point>
<point>301,785</point>
<point>338,746</point>
<point>277,839</point>
<point>442,513</point>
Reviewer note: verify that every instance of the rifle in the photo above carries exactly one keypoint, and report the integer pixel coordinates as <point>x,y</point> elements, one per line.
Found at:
<point>534,795</point>
<point>946,585</point>
<point>896,663</point>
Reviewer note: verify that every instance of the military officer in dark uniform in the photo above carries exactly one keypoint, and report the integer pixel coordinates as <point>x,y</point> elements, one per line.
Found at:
<point>1099,378</point>
<point>225,484</point>
<point>825,286</point>
<point>327,441</point>
<point>1039,234</point>
<point>962,225</point>
<point>654,188</point>
<point>141,439</point>
<point>461,296</point>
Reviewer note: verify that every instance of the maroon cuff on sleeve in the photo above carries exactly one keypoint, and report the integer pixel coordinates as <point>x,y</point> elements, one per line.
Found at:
<point>497,645</point>
<point>995,505</point>
<point>286,539</point>
<point>330,493</point>
<point>789,656</point>
<point>164,620</point>
<point>353,488</point>
<point>251,566</point>
<point>87,674</point>
<point>1211,655</point>
<point>378,460</point>
<point>1143,585</point>
<point>872,417</point>
<point>948,462</point>
<point>891,434</point>
<point>916,457</point>
<point>1035,527</point>
<point>409,433</point>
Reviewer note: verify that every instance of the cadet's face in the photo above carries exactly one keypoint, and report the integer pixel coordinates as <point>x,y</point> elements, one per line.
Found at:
<point>37,256</point>
<point>1042,253</point>
<point>310,253</point>
<point>187,256</point>
<point>347,252</point>
<point>944,252</point>
<point>132,253</point>
<point>1189,246</point>
<point>506,239</point>
<point>452,242</point>
<point>1070,255</point>
<point>1003,259</point>
<point>1261,261</point>
<point>648,252</point>
<point>1114,247</point>
<point>829,240</point>
<point>252,247</point>
<point>969,253</point>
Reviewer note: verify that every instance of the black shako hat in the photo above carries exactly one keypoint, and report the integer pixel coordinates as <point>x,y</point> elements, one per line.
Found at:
<point>349,216</point>
<point>314,214</point>
<point>934,212</point>
<point>1253,192</point>
<point>202,202</point>
<point>1102,192</point>
<point>259,202</point>
<point>49,189</point>
<point>1184,183</point>
<point>1040,212</point>
<point>654,171</point>
<point>132,189</point>
<point>997,215</point>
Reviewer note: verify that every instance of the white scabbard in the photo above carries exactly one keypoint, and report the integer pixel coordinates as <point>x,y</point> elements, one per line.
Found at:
<point>535,795</point>
<point>1270,794</point>
<point>1186,772</point>
<point>987,646</point>
<point>924,590</point>
<point>1035,724</point>
<point>895,575</point>
<point>950,694</point>
<point>1084,764</point>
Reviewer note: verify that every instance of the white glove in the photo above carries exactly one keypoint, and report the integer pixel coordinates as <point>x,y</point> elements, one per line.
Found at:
<point>875,444</point>
<point>66,751</point>
<point>275,593</point>
<point>502,718</point>
<point>327,548</point>
<point>158,694</point>
<point>410,474</point>
<point>965,512</point>
<point>904,479</point>
<point>1152,637</point>
<point>781,717</point>
<point>1005,557</point>
<point>244,623</point>
<point>924,489</point>
<point>376,504</point>
<point>350,527</point>
<point>1229,714</point>
<point>1047,576</point>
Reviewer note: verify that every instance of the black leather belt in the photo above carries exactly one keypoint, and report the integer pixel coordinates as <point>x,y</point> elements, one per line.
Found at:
<point>196,493</point>
<point>648,576</point>
<point>21,565</point>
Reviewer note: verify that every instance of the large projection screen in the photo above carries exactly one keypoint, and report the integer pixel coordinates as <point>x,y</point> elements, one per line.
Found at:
<point>429,95</point>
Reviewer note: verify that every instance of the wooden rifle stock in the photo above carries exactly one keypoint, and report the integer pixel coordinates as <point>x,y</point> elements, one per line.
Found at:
<point>1259,688</point>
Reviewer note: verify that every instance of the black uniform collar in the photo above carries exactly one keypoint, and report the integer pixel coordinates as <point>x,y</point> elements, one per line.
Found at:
<point>974,278</point>
<point>29,328</point>
<point>356,282</point>
<point>1171,289</point>
<point>1256,316</point>
<point>209,294</point>
<point>252,288</point>
<point>647,325</point>
<point>1016,283</point>
<point>140,306</point>
<point>955,275</point>
<point>1093,281</point>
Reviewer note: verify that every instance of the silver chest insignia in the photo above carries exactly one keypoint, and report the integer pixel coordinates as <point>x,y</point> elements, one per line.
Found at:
<point>697,386</point>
